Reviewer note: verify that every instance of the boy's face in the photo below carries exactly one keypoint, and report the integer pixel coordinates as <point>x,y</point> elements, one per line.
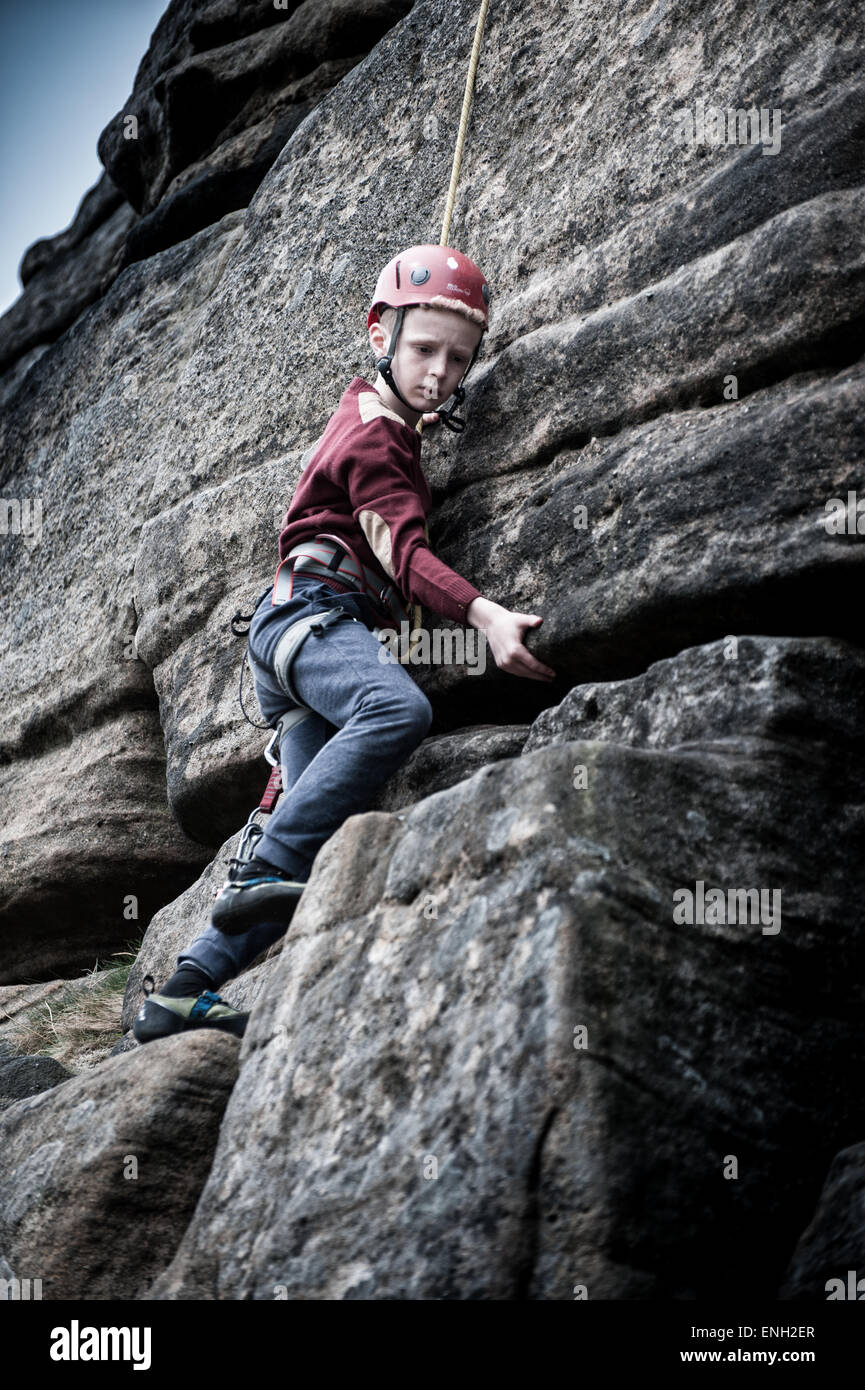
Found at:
<point>434,349</point>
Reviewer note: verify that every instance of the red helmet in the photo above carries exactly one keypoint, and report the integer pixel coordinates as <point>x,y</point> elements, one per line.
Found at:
<point>436,275</point>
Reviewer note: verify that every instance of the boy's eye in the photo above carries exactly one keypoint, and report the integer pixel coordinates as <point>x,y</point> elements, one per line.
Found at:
<point>457,357</point>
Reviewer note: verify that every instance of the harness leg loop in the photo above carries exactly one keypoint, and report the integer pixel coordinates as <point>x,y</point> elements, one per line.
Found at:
<point>290,643</point>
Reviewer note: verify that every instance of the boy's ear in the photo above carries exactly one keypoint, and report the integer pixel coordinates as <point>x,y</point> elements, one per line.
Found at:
<point>378,339</point>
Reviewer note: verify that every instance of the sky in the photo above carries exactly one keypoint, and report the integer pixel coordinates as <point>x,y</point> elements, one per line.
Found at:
<point>66,67</point>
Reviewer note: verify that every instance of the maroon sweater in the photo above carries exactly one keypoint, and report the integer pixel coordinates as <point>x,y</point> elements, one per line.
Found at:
<point>364,483</point>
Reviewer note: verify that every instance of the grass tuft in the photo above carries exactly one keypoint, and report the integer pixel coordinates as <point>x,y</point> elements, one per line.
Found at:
<point>81,1022</point>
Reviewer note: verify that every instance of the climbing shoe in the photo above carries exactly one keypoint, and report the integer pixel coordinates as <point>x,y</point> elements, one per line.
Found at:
<point>161,1015</point>
<point>254,892</point>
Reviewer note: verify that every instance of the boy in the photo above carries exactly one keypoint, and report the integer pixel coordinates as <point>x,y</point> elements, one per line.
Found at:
<point>352,550</point>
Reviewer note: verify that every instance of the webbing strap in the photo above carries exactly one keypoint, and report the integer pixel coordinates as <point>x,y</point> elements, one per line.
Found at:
<point>272,791</point>
<point>275,788</point>
<point>330,555</point>
<point>203,1004</point>
<point>291,641</point>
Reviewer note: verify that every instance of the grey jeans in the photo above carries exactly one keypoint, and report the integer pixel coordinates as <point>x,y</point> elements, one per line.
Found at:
<point>367,716</point>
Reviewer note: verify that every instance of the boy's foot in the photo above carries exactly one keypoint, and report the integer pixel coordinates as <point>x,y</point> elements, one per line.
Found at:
<point>254,892</point>
<point>162,1014</point>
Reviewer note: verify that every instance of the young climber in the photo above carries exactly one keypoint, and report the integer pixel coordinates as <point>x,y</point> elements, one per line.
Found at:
<point>353,552</point>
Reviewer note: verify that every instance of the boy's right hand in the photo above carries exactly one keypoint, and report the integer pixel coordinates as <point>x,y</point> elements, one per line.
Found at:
<point>504,632</point>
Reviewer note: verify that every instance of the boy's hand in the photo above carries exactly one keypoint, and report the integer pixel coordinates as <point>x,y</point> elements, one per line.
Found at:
<point>504,631</point>
<point>430,418</point>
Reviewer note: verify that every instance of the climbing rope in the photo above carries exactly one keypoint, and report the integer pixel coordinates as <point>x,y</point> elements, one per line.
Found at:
<point>464,120</point>
<point>417,616</point>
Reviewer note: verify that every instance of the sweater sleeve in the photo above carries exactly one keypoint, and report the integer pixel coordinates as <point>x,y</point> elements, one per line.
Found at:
<point>387,507</point>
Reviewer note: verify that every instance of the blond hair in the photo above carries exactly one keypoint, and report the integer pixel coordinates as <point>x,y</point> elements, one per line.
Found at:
<point>439,301</point>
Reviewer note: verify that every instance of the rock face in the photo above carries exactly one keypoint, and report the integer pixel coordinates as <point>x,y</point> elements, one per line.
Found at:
<point>62,275</point>
<point>831,1249</point>
<point>669,399</point>
<point>437,763</point>
<point>500,1066</point>
<point>797,692</point>
<point>99,1175</point>
<point>217,96</point>
<point>28,1076</point>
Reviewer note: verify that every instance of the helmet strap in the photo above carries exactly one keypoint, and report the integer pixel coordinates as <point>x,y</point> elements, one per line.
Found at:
<point>383,365</point>
<point>449,417</point>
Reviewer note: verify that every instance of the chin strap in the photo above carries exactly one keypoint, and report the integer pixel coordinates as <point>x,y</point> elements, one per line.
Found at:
<point>383,366</point>
<point>447,417</point>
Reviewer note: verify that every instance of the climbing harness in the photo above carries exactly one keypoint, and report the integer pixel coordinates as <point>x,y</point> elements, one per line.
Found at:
<point>431,273</point>
<point>286,651</point>
<point>330,557</point>
<point>291,642</point>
